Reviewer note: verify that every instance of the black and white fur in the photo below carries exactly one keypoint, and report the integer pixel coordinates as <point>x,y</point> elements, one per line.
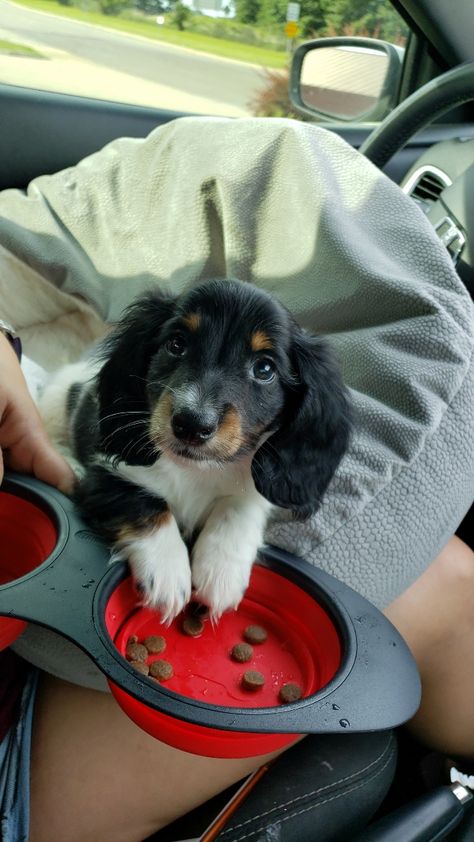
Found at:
<point>202,413</point>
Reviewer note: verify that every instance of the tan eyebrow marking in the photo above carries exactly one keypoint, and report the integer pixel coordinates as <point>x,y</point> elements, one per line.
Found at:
<point>260,341</point>
<point>192,321</point>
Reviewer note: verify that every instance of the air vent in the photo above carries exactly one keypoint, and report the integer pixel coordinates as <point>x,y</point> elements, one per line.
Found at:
<point>425,186</point>
<point>428,188</point>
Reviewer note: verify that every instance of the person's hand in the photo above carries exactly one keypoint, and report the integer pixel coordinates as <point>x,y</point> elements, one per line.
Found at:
<point>24,444</point>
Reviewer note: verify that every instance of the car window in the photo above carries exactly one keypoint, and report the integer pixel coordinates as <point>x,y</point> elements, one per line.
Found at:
<point>223,57</point>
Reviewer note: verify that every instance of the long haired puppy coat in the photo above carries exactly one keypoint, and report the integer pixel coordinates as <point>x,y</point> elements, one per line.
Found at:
<point>203,412</point>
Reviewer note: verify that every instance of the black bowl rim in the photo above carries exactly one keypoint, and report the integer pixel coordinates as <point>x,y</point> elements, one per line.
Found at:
<point>194,711</point>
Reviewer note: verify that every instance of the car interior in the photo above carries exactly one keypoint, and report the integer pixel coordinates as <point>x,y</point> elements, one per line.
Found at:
<point>425,144</point>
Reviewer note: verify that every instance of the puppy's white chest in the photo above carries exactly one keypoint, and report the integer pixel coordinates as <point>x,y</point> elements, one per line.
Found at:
<point>191,491</point>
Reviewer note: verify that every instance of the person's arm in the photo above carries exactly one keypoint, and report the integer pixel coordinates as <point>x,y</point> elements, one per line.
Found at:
<point>24,444</point>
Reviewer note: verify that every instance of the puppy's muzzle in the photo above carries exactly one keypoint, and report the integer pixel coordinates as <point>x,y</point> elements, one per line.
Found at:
<point>194,427</point>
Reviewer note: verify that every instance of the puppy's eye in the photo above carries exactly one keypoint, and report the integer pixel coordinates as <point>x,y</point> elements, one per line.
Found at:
<point>263,370</point>
<point>176,346</point>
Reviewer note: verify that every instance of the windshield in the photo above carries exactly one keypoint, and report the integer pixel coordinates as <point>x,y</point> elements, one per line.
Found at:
<point>223,57</point>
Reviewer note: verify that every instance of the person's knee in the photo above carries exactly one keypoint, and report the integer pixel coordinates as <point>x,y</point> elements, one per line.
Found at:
<point>440,604</point>
<point>454,569</point>
<point>436,618</point>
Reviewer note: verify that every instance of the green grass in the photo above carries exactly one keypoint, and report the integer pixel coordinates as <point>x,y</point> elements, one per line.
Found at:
<point>10,48</point>
<point>149,29</point>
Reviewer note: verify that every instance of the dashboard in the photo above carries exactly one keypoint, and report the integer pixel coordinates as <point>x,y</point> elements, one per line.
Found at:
<point>442,184</point>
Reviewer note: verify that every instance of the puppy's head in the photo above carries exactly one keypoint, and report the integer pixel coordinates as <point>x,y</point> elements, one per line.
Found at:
<point>219,373</point>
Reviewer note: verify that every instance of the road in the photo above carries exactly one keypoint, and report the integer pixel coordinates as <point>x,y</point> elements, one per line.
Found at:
<point>209,78</point>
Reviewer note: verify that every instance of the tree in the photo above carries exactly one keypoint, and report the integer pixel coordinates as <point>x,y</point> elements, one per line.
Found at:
<point>151,7</point>
<point>114,7</point>
<point>372,18</point>
<point>312,18</point>
<point>247,11</point>
<point>272,11</point>
<point>180,15</point>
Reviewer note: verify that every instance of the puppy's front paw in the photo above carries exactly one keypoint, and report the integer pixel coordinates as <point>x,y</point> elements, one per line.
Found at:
<point>160,565</point>
<point>220,577</point>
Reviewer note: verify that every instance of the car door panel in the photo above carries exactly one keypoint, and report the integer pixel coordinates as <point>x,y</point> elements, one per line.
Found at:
<point>44,132</point>
<point>63,129</point>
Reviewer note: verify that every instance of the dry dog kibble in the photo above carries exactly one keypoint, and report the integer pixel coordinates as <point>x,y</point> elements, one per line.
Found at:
<point>252,680</point>
<point>161,670</point>
<point>290,693</point>
<point>140,666</point>
<point>155,644</point>
<point>192,625</point>
<point>132,639</point>
<point>136,652</point>
<point>255,634</point>
<point>241,652</point>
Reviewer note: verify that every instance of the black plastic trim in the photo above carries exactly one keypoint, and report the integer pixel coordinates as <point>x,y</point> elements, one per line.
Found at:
<point>65,129</point>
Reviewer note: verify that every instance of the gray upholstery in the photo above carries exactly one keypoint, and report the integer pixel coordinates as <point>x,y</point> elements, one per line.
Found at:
<point>293,209</point>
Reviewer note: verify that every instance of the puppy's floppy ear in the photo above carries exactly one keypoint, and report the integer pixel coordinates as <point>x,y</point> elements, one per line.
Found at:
<point>293,467</point>
<point>121,387</point>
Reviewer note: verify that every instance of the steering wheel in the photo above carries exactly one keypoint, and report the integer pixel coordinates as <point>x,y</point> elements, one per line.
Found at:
<point>455,87</point>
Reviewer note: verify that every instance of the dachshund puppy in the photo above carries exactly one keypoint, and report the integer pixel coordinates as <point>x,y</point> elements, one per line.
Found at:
<point>202,413</point>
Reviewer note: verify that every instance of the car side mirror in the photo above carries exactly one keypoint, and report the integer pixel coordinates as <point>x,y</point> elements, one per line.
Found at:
<point>346,79</point>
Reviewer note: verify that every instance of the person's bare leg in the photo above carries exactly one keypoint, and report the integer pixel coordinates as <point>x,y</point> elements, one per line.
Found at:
<point>436,618</point>
<point>96,777</point>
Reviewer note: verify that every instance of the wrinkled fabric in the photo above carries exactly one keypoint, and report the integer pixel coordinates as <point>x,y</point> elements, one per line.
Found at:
<point>294,209</point>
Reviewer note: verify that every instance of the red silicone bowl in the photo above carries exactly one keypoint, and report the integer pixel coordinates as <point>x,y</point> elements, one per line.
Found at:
<point>303,646</point>
<point>28,536</point>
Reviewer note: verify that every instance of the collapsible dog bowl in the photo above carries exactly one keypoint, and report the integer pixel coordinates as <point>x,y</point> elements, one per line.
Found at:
<point>355,672</point>
<point>303,646</point>
<point>28,535</point>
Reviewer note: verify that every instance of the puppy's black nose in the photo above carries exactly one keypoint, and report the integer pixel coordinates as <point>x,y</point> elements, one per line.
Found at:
<point>194,427</point>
